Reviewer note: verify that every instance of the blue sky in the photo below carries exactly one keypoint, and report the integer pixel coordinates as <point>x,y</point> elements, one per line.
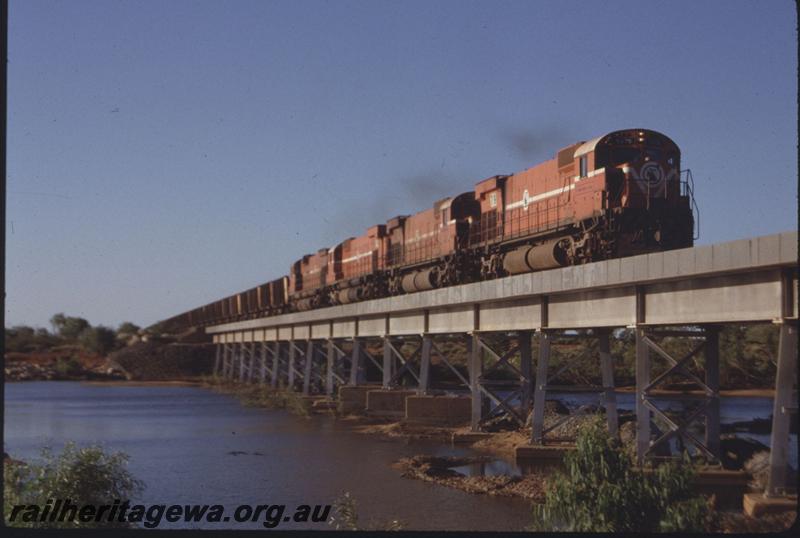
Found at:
<point>162,155</point>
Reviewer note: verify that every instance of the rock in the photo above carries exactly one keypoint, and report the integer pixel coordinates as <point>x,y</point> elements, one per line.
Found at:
<point>758,467</point>
<point>503,423</point>
<point>735,451</point>
<point>555,407</point>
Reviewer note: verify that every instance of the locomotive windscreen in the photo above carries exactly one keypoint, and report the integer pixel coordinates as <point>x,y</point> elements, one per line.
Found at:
<point>634,146</point>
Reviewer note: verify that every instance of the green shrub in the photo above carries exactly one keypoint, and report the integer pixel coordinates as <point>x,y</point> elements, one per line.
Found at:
<point>127,329</point>
<point>602,491</point>
<point>100,340</point>
<point>345,517</point>
<point>67,367</point>
<point>263,396</point>
<point>85,475</point>
<point>68,327</point>
<point>24,339</point>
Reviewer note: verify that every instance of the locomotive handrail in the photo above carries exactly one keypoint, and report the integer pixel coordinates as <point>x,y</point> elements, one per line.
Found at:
<point>687,189</point>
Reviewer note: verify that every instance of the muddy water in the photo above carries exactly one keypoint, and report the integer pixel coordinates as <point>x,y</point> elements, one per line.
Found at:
<point>191,445</point>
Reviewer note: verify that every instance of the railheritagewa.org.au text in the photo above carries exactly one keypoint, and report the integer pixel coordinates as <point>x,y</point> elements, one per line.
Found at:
<point>153,515</point>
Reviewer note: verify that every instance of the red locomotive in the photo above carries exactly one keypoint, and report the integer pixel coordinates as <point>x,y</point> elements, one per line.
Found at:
<point>617,195</point>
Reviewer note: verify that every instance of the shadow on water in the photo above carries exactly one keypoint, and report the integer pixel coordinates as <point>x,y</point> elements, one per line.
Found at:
<point>491,468</point>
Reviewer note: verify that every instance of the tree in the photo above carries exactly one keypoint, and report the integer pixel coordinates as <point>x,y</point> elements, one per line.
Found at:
<point>26,339</point>
<point>98,339</point>
<point>67,326</point>
<point>127,329</point>
<point>85,476</point>
<point>57,321</point>
<point>601,491</point>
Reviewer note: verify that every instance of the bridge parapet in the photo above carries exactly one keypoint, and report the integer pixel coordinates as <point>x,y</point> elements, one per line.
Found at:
<point>737,281</point>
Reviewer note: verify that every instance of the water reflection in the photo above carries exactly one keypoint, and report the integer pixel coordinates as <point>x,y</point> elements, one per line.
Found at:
<point>191,445</point>
<point>490,468</point>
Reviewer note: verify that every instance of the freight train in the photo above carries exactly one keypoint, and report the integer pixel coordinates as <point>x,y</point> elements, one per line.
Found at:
<point>616,195</point>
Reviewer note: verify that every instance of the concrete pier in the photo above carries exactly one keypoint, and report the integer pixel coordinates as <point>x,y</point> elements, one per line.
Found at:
<point>387,403</point>
<point>438,410</point>
<point>353,400</point>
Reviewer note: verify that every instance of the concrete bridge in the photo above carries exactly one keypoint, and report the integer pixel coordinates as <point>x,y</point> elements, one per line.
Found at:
<point>689,293</point>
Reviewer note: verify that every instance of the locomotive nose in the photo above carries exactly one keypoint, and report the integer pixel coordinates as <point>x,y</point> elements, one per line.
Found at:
<point>652,173</point>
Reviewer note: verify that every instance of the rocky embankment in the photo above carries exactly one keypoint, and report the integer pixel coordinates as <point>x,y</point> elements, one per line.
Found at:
<point>145,361</point>
<point>37,372</point>
<point>440,470</point>
<point>140,361</point>
<point>59,365</point>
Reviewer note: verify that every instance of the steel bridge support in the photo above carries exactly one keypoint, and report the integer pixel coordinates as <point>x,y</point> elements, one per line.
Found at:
<point>443,358</point>
<point>783,408</point>
<point>707,404</point>
<point>225,360</point>
<point>295,374</point>
<point>308,365</point>
<point>484,388</point>
<point>313,361</point>
<point>242,368</point>
<point>359,351</point>
<point>392,354</point>
<point>251,365</point>
<point>231,361</point>
<point>335,367</point>
<point>264,369</point>
<point>356,371</point>
<point>217,358</point>
<point>425,348</point>
<point>278,353</point>
<point>236,357</point>
<point>232,358</point>
<point>544,379</point>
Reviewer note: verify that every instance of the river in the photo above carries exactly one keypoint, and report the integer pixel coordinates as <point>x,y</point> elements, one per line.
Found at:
<point>183,443</point>
<point>193,445</point>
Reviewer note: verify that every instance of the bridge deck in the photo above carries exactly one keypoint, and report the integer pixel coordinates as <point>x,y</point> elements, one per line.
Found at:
<point>746,280</point>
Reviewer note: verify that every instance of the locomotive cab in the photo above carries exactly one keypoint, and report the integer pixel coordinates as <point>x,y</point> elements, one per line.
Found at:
<point>649,164</point>
<point>643,188</point>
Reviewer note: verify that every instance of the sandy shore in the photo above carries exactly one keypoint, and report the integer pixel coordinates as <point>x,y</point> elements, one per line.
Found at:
<point>154,383</point>
<point>743,393</point>
<point>439,470</point>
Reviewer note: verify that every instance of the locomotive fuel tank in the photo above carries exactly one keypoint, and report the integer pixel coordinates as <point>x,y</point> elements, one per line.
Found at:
<point>548,255</point>
<point>420,280</point>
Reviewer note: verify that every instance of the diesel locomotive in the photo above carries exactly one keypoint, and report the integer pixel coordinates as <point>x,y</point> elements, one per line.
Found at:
<point>617,195</point>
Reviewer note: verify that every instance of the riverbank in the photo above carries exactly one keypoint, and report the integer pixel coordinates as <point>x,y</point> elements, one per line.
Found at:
<point>197,382</point>
<point>67,363</point>
<point>140,361</point>
<point>500,438</point>
<point>472,472</point>
<point>441,470</point>
<point>732,392</point>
